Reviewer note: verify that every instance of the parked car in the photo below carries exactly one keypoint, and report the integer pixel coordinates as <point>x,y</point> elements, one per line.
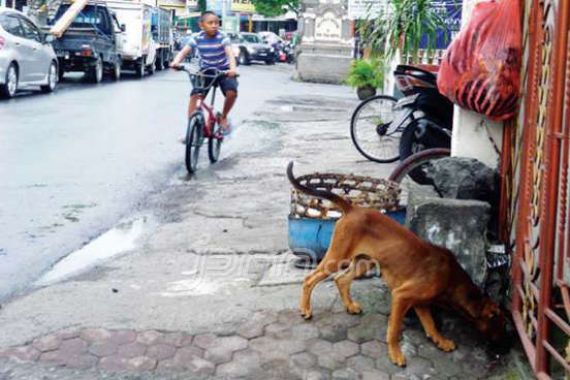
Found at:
<point>26,56</point>
<point>92,42</point>
<point>271,38</point>
<point>253,48</point>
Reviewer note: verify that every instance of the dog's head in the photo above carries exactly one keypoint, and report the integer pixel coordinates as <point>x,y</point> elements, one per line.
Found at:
<point>492,322</point>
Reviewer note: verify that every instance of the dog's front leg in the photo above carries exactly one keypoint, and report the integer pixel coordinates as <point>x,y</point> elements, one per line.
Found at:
<point>399,308</point>
<point>424,314</point>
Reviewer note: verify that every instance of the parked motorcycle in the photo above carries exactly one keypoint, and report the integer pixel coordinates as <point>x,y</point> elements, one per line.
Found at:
<point>385,129</point>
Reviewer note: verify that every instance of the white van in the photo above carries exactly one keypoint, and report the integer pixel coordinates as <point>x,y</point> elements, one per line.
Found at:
<point>138,48</point>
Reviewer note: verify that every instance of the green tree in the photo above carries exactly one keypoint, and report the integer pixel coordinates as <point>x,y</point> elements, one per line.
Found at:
<point>272,8</point>
<point>202,5</point>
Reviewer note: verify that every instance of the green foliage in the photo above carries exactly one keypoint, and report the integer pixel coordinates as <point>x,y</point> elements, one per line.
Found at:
<point>402,27</point>
<point>272,8</point>
<point>202,5</point>
<point>366,72</point>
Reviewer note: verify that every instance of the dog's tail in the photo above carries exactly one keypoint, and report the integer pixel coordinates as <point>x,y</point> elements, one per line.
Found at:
<point>334,198</point>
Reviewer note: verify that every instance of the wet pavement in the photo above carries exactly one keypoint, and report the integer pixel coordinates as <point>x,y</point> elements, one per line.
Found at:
<point>77,161</point>
<point>210,291</point>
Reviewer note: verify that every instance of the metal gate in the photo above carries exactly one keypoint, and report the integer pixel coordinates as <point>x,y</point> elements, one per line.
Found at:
<point>535,189</point>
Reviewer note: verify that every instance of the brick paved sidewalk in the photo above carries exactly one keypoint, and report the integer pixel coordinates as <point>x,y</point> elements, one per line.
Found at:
<point>270,345</point>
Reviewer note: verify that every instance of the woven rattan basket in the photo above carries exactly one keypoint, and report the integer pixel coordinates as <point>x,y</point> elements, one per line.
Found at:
<point>379,194</point>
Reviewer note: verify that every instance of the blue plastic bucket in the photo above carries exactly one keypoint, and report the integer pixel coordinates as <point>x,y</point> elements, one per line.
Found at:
<point>311,237</point>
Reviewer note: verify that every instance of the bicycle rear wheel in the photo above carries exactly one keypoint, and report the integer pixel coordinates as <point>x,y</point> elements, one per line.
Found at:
<point>215,143</point>
<point>193,141</point>
<point>372,131</point>
<point>411,172</point>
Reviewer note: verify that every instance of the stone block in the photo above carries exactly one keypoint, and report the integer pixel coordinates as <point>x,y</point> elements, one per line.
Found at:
<point>345,349</point>
<point>176,339</point>
<point>458,225</point>
<point>222,352</point>
<point>47,343</point>
<point>102,349</point>
<point>149,337</point>
<point>322,66</point>
<point>303,360</point>
<point>132,350</point>
<point>141,363</point>
<point>160,351</point>
<point>345,374</point>
<point>244,364</point>
<point>24,353</point>
<point>360,363</point>
<point>374,349</point>
<point>93,335</point>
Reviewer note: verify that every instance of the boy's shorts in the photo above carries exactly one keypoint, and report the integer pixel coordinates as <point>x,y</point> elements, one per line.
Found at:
<point>225,83</point>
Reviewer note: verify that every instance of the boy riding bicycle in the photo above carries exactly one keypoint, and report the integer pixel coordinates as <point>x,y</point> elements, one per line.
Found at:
<point>215,52</point>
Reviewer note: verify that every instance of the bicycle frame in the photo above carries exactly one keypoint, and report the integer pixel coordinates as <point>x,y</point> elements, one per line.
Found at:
<point>208,110</point>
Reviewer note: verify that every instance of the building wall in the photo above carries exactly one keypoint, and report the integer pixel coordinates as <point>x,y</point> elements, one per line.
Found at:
<point>326,46</point>
<point>473,134</point>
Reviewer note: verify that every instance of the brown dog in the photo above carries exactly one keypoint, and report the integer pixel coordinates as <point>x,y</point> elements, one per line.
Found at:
<point>418,274</point>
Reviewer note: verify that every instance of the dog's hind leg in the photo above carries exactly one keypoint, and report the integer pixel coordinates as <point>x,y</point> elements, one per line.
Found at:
<point>400,305</point>
<point>336,258</point>
<point>325,268</point>
<point>424,314</point>
<point>343,281</point>
<point>309,284</point>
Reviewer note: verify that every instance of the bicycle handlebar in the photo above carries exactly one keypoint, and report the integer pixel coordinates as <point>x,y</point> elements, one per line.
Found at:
<point>201,72</point>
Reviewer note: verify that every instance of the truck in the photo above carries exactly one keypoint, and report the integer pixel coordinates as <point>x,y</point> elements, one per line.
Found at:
<point>88,40</point>
<point>139,48</point>
<point>163,35</point>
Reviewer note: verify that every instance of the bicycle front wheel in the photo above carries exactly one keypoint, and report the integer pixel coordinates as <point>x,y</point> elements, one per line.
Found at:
<point>412,171</point>
<point>193,141</point>
<point>215,143</point>
<point>372,131</point>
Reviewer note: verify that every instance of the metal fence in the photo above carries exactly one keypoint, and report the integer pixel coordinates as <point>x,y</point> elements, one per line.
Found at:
<point>535,191</point>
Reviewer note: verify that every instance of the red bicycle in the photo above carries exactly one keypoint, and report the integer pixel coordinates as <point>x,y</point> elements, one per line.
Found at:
<point>203,123</point>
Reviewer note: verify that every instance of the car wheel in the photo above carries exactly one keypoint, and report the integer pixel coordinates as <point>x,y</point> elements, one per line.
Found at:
<point>116,73</point>
<point>243,58</point>
<point>152,68</point>
<point>140,69</point>
<point>95,73</point>
<point>53,78</point>
<point>10,86</point>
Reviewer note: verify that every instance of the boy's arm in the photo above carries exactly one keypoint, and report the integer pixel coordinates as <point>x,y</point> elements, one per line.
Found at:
<point>181,55</point>
<point>232,60</point>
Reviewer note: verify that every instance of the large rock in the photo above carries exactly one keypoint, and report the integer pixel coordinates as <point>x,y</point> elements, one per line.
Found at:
<point>467,178</point>
<point>458,225</point>
<point>464,178</point>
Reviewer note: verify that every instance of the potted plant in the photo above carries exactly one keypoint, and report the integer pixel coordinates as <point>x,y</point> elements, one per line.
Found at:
<point>366,75</point>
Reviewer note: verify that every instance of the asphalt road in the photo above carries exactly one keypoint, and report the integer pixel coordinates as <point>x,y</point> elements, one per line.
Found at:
<point>75,162</point>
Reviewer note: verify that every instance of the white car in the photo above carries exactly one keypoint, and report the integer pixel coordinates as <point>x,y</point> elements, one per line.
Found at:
<point>26,55</point>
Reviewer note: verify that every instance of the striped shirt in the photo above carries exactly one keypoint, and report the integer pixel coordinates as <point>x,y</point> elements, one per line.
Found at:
<point>211,50</point>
